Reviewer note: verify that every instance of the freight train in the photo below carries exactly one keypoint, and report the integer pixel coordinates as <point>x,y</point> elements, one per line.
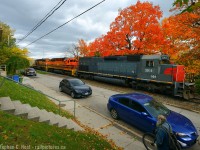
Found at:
<point>151,72</point>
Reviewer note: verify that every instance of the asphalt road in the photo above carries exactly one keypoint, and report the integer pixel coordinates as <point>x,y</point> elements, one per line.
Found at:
<point>98,101</point>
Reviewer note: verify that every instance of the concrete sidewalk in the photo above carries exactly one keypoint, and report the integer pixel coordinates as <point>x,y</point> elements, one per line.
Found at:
<point>123,138</point>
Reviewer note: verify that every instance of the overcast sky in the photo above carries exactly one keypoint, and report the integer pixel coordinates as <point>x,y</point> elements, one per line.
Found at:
<point>23,15</point>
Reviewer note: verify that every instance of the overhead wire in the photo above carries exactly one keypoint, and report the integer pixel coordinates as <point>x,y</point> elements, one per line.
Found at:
<point>65,23</point>
<point>58,5</point>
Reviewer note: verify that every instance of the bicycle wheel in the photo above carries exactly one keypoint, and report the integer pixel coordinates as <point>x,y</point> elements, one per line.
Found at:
<point>148,140</point>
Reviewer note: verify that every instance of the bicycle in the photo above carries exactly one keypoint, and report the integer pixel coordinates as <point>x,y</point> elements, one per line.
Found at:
<point>148,140</point>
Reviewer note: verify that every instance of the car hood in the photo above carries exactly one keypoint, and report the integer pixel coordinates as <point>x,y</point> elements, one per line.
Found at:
<point>82,87</point>
<point>180,123</point>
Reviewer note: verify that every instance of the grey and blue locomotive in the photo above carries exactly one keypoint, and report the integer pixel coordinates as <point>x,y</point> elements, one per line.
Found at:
<point>151,72</point>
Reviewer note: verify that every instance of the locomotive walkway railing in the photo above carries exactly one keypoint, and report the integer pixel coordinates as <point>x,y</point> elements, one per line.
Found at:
<point>60,102</point>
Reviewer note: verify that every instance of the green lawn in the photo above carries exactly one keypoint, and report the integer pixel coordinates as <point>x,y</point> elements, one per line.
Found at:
<point>21,133</point>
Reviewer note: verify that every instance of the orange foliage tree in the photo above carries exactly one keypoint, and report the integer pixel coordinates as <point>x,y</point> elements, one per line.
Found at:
<point>96,47</point>
<point>183,38</point>
<point>83,48</point>
<point>135,30</point>
<point>189,23</point>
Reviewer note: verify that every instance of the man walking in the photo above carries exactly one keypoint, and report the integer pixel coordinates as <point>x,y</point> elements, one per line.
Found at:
<point>162,137</point>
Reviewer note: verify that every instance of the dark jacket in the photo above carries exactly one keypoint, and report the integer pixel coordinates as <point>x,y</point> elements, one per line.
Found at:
<point>162,138</point>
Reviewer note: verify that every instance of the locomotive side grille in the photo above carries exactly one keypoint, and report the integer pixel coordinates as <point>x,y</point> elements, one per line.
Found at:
<point>133,57</point>
<point>83,68</point>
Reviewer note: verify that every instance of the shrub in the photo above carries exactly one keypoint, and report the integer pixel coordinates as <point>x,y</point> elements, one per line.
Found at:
<point>197,86</point>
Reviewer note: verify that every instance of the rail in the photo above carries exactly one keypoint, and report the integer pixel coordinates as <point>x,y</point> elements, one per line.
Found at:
<point>59,101</point>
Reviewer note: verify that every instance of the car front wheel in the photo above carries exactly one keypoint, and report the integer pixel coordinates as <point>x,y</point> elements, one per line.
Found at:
<point>114,114</point>
<point>72,95</point>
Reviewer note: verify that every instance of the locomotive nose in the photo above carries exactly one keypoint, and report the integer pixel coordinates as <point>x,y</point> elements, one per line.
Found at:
<point>179,76</point>
<point>177,72</point>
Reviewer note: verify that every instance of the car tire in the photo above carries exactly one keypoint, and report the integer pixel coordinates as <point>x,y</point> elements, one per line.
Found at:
<point>60,89</point>
<point>114,114</point>
<point>72,95</point>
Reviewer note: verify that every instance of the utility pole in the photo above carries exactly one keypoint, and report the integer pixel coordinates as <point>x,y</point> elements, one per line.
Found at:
<point>8,40</point>
<point>1,33</point>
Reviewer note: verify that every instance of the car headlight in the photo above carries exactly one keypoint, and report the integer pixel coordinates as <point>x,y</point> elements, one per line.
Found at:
<point>182,134</point>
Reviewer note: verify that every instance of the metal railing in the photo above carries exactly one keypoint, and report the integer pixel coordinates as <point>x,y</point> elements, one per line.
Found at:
<point>59,101</point>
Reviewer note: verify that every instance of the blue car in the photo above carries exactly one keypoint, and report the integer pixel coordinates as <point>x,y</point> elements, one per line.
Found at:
<point>141,111</point>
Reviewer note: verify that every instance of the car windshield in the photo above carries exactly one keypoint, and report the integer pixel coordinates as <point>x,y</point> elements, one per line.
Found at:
<point>76,82</point>
<point>155,108</point>
<point>31,69</point>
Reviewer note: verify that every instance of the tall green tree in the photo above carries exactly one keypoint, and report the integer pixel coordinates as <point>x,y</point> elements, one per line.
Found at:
<point>8,47</point>
<point>7,39</point>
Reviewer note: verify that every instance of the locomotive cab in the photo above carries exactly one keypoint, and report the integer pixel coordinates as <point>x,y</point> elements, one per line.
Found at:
<point>159,68</point>
<point>153,68</point>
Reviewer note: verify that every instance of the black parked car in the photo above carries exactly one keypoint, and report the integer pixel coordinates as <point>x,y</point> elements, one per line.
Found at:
<point>30,72</point>
<point>75,88</point>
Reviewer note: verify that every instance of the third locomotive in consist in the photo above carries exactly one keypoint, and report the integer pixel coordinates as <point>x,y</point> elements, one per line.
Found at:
<point>151,72</point>
<point>65,65</point>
